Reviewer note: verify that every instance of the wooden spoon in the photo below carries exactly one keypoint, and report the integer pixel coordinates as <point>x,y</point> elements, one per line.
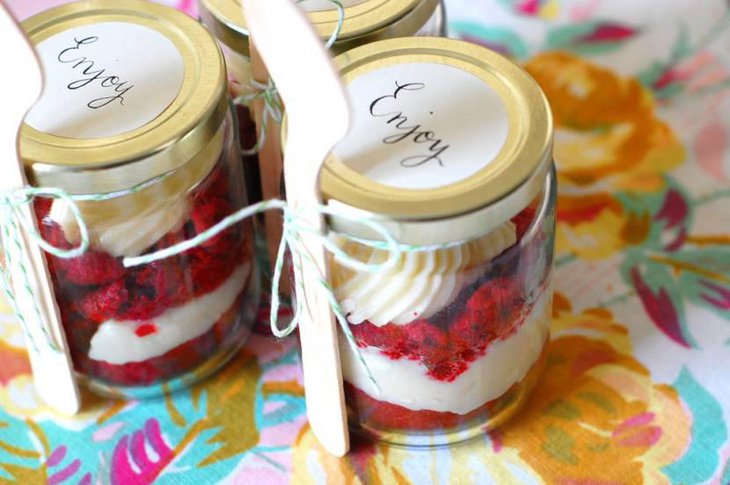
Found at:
<point>318,117</point>
<point>20,87</point>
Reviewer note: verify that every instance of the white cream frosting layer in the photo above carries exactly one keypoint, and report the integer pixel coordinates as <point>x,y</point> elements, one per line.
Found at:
<point>420,285</point>
<point>407,384</point>
<point>128,237</point>
<point>116,342</point>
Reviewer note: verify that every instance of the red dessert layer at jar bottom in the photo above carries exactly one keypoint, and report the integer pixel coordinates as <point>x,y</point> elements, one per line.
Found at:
<point>374,415</point>
<point>181,360</point>
<point>96,287</point>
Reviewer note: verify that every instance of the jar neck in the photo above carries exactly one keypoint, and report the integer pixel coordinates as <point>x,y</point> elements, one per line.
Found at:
<point>448,230</point>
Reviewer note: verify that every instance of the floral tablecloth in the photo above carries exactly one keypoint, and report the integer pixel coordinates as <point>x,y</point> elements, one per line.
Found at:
<point>637,387</point>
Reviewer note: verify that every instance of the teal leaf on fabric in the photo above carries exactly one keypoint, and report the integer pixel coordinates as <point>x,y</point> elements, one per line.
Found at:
<point>726,473</point>
<point>709,432</point>
<point>672,216</point>
<point>705,280</point>
<point>499,39</point>
<point>660,296</point>
<point>682,47</point>
<point>590,38</point>
<point>658,76</point>
<point>652,73</point>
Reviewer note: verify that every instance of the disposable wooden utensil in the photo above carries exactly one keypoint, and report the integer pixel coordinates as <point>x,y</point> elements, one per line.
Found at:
<point>20,87</point>
<point>318,117</point>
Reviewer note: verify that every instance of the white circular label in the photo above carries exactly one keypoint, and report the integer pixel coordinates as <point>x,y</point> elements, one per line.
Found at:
<point>422,126</point>
<point>105,79</point>
<point>320,5</point>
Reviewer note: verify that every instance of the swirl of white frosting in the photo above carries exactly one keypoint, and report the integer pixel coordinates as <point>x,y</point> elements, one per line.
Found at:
<point>125,237</point>
<point>420,284</point>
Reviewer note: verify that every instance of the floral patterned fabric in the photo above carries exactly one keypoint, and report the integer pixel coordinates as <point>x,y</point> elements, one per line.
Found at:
<point>636,387</point>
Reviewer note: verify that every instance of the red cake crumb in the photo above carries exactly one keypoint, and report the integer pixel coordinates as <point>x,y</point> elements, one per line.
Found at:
<point>93,268</point>
<point>52,232</point>
<point>104,303</point>
<point>146,329</point>
<point>492,313</point>
<point>207,215</point>
<point>523,220</point>
<point>208,272</point>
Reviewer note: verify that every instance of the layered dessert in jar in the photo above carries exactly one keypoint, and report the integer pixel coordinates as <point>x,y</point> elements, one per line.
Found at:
<point>149,165</point>
<point>453,338</point>
<point>450,150</point>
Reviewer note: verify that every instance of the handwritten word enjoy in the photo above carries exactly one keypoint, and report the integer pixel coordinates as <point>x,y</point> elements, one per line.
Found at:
<point>409,131</point>
<point>91,75</point>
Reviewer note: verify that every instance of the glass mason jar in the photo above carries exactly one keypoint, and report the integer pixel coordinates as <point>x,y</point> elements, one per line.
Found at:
<point>365,21</point>
<point>135,124</point>
<point>450,148</point>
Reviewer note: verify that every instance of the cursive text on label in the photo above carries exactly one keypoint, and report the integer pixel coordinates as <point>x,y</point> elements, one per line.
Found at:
<point>92,74</point>
<point>406,130</point>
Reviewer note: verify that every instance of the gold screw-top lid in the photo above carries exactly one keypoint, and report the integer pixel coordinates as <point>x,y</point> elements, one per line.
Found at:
<point>365,20</point>
<point>448,140</point>
<point>133,90</point>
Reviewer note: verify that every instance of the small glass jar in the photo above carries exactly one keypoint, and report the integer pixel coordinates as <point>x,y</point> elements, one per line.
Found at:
<point>135,124</point>
<point>450,148</point>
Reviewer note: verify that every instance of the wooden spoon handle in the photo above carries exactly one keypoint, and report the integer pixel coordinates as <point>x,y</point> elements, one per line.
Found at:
<point>320,356</point>
<point>318,329</point>
<point>52,369</point>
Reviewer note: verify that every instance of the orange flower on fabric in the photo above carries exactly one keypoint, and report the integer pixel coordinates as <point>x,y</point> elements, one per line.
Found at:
<point>608,140</point>
<point>597,405</point>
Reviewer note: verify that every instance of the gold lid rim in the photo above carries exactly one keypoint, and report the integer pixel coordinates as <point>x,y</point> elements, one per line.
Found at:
<point>365,22</point>
<point>167,142</point>
<point>530,136</point>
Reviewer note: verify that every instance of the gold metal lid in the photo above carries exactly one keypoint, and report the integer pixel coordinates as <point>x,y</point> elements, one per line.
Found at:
<point>366,21</point>
<point>185,125</point>
<point>486,178</point>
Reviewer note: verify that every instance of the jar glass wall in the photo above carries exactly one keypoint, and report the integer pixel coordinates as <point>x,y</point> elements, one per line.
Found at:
<point>170,322</point>
<point>436,25</point>
<point>454,338</point>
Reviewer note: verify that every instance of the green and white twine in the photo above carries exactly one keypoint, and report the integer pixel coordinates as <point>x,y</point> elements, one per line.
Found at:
<point>267,91</point>
<point>13,224</point>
